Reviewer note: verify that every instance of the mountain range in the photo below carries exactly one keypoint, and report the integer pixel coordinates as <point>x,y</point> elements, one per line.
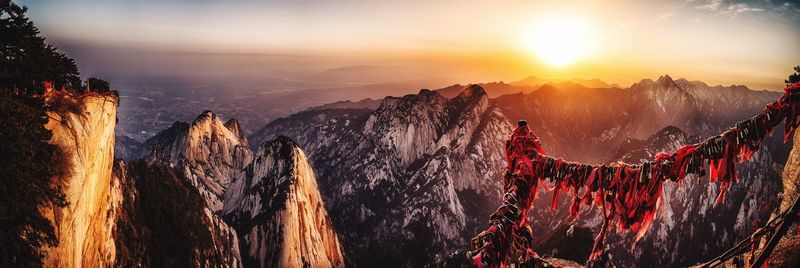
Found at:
<point>402,181</point>
<point>428,164</point>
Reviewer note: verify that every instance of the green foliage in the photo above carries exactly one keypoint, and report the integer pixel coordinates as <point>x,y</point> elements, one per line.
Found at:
<point>28,163</point>
<point>27,166</point>
<point>97,85</point>
<point>26,60</point>
<point>165,225</point>
<point>795,77</point>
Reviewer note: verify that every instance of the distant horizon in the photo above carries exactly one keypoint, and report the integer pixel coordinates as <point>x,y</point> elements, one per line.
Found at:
<point>749,43</point>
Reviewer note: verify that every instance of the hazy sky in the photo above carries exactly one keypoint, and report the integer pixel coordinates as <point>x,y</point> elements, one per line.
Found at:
<point>730,42</point>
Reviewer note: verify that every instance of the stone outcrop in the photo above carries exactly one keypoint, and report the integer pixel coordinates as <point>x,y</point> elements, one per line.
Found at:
<point>276,208</point>
<point>84,227</point>
<point>206,151</point>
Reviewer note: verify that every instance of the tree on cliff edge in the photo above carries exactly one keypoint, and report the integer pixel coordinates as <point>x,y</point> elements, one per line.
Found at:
<point>795,77</point>
<point>28,163</point>
<point>97,85</point>
<point>27,60</point>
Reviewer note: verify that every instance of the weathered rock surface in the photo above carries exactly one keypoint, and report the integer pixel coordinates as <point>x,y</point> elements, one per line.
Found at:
<point>386,173</point>
<point>142,215</point>
<point>206,151</point>
<point>85,226</point>
<point>787,252</point>
<point>279,213</point>
<point>400,180</point>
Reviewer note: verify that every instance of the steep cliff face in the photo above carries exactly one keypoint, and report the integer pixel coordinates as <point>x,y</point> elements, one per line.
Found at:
<point>84,227</point>
<point>400,180</point>
<point>137,215</point>
<point>207,151</point>
<point>787,252</point>
<point>164,222</point>
<point>433,214</point>
<point>276,208</point>
<point>791,176</point>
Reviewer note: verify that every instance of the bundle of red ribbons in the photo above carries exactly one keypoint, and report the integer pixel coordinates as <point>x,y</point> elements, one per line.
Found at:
<point>629,193</point>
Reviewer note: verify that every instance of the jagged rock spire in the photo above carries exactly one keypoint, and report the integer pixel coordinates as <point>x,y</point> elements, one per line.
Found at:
<point>279,213</point>
<point>207,151</point>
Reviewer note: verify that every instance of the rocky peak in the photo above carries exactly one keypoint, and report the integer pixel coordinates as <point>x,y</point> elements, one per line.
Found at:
<point>234,127</point>
<point>205,116</point>
<point>665,80</point>
<point>473,90</point>
<point>686,84</point>
<point>277,209</point>
<point>470,96</point>
<point>643,83</point>
<point>427,93</point>
<point>411,123</point>
<point>207,151</point>
<point>419,124</point>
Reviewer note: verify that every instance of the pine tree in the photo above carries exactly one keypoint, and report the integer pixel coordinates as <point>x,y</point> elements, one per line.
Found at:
<point>28,163</point>
<point>795,77</point>
<point>27,60</point>
<point>97,85</point>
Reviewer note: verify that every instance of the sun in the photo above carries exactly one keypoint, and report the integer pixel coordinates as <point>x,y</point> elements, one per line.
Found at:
<point>559,42</point>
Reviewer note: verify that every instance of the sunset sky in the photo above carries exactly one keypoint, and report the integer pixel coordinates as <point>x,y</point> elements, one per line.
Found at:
<point>729,42</point>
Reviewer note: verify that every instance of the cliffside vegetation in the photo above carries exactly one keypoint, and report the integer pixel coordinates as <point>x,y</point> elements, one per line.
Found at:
<point>795,77</point>
<point>28,163</point>
<point>27,166</point>
<point>156,232</point>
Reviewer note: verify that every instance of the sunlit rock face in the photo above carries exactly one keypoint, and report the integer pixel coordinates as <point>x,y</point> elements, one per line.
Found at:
<point>164,222</point>
<point>84,227</point>
<point>399,180</point>
<point>207,151</point>
<point>276,208</point>
<point>143,215</point>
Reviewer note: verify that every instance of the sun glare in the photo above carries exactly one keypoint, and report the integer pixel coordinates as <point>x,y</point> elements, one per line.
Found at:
<point>559,41</point>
